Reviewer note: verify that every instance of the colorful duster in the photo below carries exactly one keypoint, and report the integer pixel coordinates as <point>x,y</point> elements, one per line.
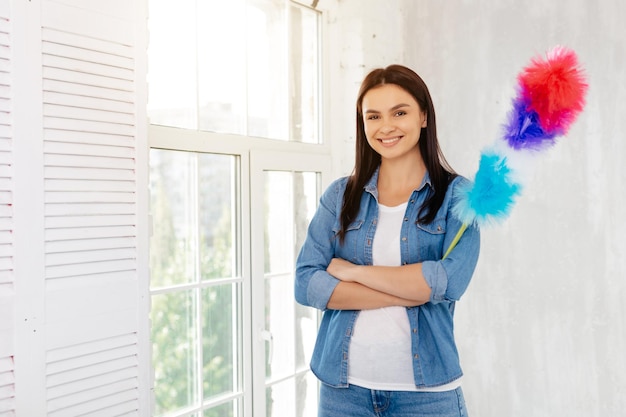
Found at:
<point>550,95</point>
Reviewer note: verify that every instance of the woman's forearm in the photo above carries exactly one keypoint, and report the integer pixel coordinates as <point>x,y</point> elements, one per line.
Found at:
<point>405,281</point>
<point>355,296</point>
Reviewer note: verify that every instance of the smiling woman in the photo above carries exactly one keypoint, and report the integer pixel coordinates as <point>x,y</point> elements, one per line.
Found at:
<point>372,263</point>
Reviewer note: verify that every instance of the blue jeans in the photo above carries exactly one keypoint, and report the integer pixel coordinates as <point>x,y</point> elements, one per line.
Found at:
<point>362,402</point>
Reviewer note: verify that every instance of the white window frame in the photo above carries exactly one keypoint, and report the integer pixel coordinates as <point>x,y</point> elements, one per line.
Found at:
<point>255,155</point>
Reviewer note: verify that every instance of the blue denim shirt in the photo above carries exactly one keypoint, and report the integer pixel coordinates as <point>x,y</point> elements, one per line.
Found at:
<point>435,356</point>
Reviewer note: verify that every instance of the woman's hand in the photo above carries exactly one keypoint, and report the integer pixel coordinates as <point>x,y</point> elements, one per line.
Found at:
<point>342,270</point>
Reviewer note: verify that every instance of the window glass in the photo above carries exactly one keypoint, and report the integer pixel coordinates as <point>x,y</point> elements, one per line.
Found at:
<point>290,201</point>
<point>196,290</point>
<point>245,67</point>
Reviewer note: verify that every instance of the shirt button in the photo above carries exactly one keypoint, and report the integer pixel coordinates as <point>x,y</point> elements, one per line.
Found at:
<point>414,330</point>
<point>404,239</point>
<point>406,219</point>
<point>416,356</point>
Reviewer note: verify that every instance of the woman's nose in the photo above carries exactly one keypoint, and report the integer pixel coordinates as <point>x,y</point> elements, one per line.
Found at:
<point>387,127</point>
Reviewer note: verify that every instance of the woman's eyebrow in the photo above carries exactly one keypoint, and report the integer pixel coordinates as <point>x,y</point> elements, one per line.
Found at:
<point>396,107</point>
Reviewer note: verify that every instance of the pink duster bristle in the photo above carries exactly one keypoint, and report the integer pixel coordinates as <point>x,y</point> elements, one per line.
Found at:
<point>555,88</point>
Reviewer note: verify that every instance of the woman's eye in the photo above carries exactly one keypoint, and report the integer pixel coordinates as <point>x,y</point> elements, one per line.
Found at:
<point>400,113</point>
<point>372,117</point>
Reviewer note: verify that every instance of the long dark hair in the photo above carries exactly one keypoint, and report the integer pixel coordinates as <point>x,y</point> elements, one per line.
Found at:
<point>367,160</point>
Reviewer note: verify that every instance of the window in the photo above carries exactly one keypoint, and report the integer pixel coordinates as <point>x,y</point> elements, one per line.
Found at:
<point>248,67</point>
<point>229,207</point>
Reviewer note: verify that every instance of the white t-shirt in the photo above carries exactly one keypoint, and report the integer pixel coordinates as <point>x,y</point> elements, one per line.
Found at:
<point>380,349</point>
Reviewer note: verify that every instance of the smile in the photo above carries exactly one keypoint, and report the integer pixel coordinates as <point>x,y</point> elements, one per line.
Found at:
<point>389,141</point>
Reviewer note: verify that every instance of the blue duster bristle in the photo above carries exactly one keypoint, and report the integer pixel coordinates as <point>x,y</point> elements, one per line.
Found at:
<point>492,195</point>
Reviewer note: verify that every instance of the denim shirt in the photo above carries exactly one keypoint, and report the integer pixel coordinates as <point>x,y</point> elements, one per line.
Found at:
<point>435,356</point>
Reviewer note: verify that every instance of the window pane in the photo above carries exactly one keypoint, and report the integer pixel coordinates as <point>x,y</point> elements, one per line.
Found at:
<point>247,67</point>
<point>279,227</point>
<point>231,409</point>
<point>290,202</point>
<point>217,213</point>
<point>172,63</point>
<point>279,314</point>
<point>222,66</point>
<point>220,340</point>
<point>295,397</point>
<point>173,194</point>
<point>303,71</point>
<point>267,69</point>
<point>174,354</point>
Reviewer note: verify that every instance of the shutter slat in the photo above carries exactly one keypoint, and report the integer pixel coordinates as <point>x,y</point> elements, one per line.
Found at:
<point>55,355</point>
<point>90,233</point>
<point>66,38</point>
<point>89,185</point>
<point>86,102</point>
<point>88,138</point>
<point>90,268</point>
<point>88,161</point>
<point>6,144</point>
<point>87,173</point>
<point>66,112</point>
<point>62,74</point>
<point>87,209</point>
<point>89,244</point>
<point>93,394</point>
<point>64,87</point>
<point>57,49</point>
<point>77,330</point>
<point>101,404</point>
<point>90,221</point>
<point>87,197</point>
<point>88,126</point>
<point>89,256</point>
<point>82,361</point>
<point>92,370</point>
<point>89,383</point>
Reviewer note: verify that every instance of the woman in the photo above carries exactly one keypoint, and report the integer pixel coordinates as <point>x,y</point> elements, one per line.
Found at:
<point>372,262</point>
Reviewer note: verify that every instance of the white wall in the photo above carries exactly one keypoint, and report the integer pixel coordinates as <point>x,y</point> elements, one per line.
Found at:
<point>542,328</point>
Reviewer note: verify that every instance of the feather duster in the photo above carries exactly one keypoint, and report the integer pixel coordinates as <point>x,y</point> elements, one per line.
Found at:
<point>550,96</point>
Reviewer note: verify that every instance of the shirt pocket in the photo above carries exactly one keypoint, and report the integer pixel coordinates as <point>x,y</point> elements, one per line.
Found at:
<point>430,239</point>
<point>353,239</point>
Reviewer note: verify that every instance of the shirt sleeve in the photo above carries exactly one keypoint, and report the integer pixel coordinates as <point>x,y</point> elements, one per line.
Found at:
<point>313,285</point>
<point>449,278</point>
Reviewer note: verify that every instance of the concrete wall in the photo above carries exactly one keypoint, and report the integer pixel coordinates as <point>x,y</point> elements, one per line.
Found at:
<point>542,328</point>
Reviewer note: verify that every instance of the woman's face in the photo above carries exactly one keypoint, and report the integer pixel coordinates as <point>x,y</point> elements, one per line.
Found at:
<point>393,121</point>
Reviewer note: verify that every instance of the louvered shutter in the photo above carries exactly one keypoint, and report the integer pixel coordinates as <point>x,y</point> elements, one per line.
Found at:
<point>94,320</point>
<point>90,210</point>
<point>7,298</point>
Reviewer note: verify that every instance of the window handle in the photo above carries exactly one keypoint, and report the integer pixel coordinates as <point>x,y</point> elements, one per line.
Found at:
<point>267,336</point>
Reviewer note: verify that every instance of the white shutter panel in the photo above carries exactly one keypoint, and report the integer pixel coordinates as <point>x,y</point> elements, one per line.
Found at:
<point>90,198</point>
<point>7,298</point>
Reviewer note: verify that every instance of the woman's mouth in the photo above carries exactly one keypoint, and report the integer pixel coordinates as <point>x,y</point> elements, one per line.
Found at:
<point>389,141</point>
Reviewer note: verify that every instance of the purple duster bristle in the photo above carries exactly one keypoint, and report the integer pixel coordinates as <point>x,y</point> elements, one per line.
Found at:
<point>523,129</point>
